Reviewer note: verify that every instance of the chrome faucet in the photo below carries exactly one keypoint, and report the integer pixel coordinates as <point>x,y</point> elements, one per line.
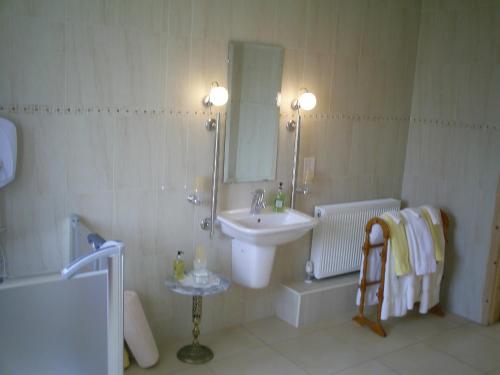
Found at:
<point>258,202</point>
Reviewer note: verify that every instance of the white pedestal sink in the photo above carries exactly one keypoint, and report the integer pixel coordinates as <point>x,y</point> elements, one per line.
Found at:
<point>255,238</point>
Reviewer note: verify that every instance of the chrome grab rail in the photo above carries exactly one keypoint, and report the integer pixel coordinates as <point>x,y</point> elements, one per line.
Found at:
<point>208,223</point>
<point>296,152</point>
<point>104,252</point>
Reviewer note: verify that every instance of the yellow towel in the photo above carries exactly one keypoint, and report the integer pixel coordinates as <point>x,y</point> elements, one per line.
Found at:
<point>399,246</point>
<point>436,233</point>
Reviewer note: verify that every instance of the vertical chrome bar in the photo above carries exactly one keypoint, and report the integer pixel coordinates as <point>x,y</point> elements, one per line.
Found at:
<point>215,176</point>
<point>295,169</point>
<point>115,312</point>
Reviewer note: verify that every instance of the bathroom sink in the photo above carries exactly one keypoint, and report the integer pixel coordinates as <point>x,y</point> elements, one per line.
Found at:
<point>255,237</point>
<point>267,228</point>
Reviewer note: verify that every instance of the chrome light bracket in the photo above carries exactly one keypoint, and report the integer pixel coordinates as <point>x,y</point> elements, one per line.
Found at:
<point>291,125</point>
<point>206,223</point>
<point>210,124</point>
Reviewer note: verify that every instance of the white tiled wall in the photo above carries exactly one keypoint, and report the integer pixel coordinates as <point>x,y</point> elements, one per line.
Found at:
<point>453,161</point>
<point>128,173</point>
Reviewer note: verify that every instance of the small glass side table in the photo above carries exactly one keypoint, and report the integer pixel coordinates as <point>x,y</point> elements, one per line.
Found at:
<point>196,353</point>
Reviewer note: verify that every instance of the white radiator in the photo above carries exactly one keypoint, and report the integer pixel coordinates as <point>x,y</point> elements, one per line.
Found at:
<point>338,239</point>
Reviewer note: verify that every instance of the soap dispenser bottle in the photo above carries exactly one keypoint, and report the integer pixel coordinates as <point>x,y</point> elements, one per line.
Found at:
<point>279,202</point>
<point>179,266</point>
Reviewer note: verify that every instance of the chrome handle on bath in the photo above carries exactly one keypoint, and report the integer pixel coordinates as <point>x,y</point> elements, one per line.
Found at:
<point>109,249</point>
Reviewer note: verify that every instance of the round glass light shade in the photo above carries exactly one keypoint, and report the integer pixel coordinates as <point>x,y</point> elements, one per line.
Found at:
<point>307,101</point>
<point>218,96</point>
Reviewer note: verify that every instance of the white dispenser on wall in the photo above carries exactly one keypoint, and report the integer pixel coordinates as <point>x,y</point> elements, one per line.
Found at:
<point>8,151</point>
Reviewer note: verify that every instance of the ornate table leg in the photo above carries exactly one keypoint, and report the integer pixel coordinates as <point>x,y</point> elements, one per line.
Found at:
<point>195,353</point>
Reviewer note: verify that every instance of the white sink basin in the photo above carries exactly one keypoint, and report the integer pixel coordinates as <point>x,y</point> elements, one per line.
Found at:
<point>267,228</point>
<point>255,238</point>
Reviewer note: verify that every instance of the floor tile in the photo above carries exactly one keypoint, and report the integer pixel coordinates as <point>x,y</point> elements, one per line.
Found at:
<point>422,359</point>
<point>199,370</point>
<point>368,368</point>
<point>272,330</point>
<point>168,364</point>
<point>256,362</point>
<point>231,341</point>
<point>366,342</point>
<point>467,345</point>
<point>420,327</point>
<point>319,353</point>
<point>492,331</point>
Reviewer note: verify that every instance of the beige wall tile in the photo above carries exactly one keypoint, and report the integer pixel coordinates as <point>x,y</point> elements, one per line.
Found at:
<point>178,18</point>
<point>138,150</point>
<point>211,20</point>
<point>114,66</point>
<point>317,78</point>
<point>95,209</point>
<point>344,84</point>
<point>86,11</point>
<point>5,56</point>
<point>47,9</point>
<point>291,18</point>
<point>351,15</point>
<point>35,240</point>
<point>90,153</point>
<point>37,61</point>
<point>134,221</point>
<point>253,20</point>
<point>208,63</point>
<point>144,15</point>
<point>50,152</point>
<point>177,73</point>
<point>321,25</point>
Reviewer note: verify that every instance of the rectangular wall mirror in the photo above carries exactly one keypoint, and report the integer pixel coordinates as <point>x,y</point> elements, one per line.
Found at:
<point>251,147</point>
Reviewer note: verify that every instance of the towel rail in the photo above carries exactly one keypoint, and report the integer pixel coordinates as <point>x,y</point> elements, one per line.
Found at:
<point>376,326</point>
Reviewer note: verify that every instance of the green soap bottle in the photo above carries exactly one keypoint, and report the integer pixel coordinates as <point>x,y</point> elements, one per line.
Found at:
<point>179,266</point>
<point>279,202</point>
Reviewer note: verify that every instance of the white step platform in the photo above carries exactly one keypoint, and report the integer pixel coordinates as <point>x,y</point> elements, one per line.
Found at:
<point>301,304</point>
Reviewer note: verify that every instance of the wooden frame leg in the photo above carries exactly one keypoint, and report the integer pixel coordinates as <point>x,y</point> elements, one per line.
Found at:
<point>374,326</point>
<point>437,310</point>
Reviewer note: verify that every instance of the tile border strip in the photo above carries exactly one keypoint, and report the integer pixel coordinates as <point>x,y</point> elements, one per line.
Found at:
<point>80,110</point>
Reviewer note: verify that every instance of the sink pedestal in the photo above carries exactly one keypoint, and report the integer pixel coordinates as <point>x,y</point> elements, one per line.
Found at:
<point>252,264</point>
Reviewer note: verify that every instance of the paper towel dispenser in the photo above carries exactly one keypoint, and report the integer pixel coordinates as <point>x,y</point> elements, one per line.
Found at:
<point>8,151</point>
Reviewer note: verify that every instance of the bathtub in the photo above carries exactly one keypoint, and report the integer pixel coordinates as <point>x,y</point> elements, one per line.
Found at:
<point>65,323</point>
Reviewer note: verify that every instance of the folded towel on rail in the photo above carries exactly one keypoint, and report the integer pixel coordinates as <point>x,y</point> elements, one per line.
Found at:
<point>399,243</point>
<point>432,217</point>
<point>433,281</point>
<point>400,292</point>
<point>420,244</point>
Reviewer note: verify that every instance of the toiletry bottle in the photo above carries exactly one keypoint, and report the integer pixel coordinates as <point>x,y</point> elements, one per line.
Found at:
<point>179,266</point>
<point>279,202</point>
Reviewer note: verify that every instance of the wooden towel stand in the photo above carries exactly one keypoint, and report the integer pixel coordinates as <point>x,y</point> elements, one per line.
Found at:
<point>376,326</point>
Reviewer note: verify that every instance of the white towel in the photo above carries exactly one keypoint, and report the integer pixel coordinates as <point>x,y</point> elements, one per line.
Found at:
<point>434,213</point>
<point>400,293</point>
<point>137,332</point>
<point>431,284</point>
<point>395,216</point>
<point>422,255</point>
